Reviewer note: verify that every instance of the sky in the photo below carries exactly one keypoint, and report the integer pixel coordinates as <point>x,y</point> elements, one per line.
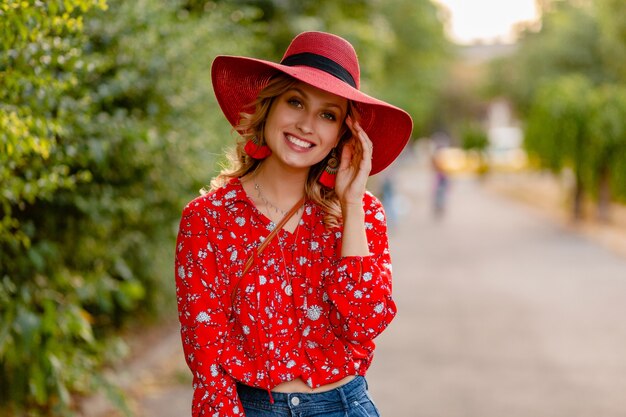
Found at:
<point>486,20</point>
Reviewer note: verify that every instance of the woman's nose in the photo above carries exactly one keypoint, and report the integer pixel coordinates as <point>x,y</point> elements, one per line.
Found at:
<point>305,123</point>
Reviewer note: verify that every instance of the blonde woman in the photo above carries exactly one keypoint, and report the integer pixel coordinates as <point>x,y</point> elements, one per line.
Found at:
<point>283,271</point>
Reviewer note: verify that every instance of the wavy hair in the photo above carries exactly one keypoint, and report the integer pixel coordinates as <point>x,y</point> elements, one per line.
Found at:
<point>251,125</point>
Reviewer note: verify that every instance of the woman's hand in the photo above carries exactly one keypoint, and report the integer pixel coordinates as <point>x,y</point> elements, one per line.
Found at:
<point>355,167</point>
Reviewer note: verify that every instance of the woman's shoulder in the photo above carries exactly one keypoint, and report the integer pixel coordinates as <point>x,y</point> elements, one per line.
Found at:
<point>371,201</point>
<point>374,210</point>
<point>216,199</point>
<point>371,204</point>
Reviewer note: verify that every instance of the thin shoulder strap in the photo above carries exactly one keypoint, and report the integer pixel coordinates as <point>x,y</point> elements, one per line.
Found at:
<point>268,239</point>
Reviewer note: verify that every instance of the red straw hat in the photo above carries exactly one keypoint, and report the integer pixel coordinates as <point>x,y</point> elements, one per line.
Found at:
<point>327,62</point>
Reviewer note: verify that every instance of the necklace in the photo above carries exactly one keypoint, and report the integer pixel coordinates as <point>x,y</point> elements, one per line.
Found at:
<point>265,201</point>
<point>287,286</point>
<point>289,269</point>
<point>268,203</point>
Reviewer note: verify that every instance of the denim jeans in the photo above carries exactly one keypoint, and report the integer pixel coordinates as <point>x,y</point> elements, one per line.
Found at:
<point>349,400</point>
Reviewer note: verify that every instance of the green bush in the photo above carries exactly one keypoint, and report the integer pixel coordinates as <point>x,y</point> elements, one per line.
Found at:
<point>577,125</point>
<point>474,137</point>
<point>104,114</point>
<point>47,343</point>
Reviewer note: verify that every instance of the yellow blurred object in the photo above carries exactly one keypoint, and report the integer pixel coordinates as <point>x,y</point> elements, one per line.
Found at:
<point>87,316</point>
<point>459,161</point>
<point>509,160</point>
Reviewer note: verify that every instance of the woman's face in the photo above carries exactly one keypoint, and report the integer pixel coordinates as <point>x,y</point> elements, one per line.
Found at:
<point>303,125</point>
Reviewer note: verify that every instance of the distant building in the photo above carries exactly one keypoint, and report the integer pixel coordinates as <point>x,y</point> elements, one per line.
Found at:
<point>505,136</point>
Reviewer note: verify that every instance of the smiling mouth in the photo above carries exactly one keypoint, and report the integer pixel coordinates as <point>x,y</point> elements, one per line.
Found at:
<point>299,142</point>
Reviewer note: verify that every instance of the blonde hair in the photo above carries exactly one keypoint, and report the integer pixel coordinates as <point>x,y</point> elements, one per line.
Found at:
<point>251,125</point>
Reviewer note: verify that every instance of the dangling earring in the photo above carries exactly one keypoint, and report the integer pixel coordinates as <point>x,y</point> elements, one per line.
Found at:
<point>329,175</point>
<point>255,150</point>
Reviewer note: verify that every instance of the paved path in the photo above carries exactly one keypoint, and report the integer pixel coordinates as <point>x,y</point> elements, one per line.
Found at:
<point>501,313</point>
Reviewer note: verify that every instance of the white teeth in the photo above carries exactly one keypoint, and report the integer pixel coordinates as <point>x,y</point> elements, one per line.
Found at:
<point>298,142</point>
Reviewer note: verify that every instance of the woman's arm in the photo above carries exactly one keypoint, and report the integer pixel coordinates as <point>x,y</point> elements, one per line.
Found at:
<point>359,287</point>
<point>360,282</point>
<point>354,238</point>
<point>203,304</point>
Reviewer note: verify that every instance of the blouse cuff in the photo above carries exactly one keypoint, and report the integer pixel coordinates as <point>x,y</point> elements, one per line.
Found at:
<point>361,279</point>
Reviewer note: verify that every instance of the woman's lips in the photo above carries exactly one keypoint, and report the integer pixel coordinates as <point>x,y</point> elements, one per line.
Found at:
<point>298,143</point>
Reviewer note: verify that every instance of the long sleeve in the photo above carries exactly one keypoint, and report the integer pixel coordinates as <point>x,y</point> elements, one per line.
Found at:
<point>360,287</point>
<point>203,304</point>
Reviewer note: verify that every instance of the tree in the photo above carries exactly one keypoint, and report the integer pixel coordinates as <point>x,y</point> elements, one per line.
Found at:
<point>414,60</point>
<point>558,130</point>
<point>567,43</point>
<point>612,38</point>
<point>559,79</point>
<point>606,169</point>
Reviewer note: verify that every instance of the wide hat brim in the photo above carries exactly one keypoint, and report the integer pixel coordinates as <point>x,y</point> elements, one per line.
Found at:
<point>238,80</point>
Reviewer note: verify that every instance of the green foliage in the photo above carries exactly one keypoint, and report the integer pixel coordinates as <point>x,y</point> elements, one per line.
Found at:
<point>44,325</point>
<point>568,43</point>
<point>414,54</point>
<point>573,124</point>
<point>567,80</point>
<point>612,38</point>
<point>401,45</point>
<point>607,140</point>
<point>474,137</point>
<point>557,128</point>
<point>40,65</point>
<point>107,124</point>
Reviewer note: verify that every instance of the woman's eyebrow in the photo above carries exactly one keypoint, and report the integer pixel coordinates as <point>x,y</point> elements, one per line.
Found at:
<point>299,91</point>
<point>306,97</point>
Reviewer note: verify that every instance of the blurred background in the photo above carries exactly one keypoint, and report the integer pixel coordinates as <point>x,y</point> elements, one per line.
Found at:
<point>506,211</point>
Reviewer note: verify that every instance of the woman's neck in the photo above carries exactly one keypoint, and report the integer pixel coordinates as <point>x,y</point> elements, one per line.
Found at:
<point>282,187</point>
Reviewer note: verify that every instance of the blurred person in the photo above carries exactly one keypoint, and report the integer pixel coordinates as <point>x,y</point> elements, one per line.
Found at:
<point>441,185</point>
<point>388,196</point>
<point>442,182</point>
<point>283,272</point>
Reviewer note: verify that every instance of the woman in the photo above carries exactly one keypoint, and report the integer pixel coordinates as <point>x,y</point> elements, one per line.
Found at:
<point>283,272</point>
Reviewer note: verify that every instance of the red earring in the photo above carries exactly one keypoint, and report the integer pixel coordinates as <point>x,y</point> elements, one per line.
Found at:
<point>329,175</point>
<point>255,150</point>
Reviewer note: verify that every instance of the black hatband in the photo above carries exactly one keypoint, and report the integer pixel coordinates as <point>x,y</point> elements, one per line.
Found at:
<point>320,62</point>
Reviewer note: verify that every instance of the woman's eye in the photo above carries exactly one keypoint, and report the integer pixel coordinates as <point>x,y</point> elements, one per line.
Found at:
<point>329,116</point>
<point>295,102</point>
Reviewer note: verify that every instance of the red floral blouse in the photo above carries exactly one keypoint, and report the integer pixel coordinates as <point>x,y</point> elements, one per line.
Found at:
<point>301,310</point>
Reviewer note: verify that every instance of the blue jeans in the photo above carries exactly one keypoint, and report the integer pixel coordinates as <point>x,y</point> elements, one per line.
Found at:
<point>349,400</point>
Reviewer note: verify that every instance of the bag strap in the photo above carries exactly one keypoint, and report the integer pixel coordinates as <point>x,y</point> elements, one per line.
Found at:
<point>268,239</point>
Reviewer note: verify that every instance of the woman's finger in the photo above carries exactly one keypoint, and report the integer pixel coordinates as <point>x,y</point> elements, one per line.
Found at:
<point>366,145</point>
<point>346,157</point>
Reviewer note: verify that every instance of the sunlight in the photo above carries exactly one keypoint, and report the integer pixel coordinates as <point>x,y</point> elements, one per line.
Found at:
<point>486,20</point>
